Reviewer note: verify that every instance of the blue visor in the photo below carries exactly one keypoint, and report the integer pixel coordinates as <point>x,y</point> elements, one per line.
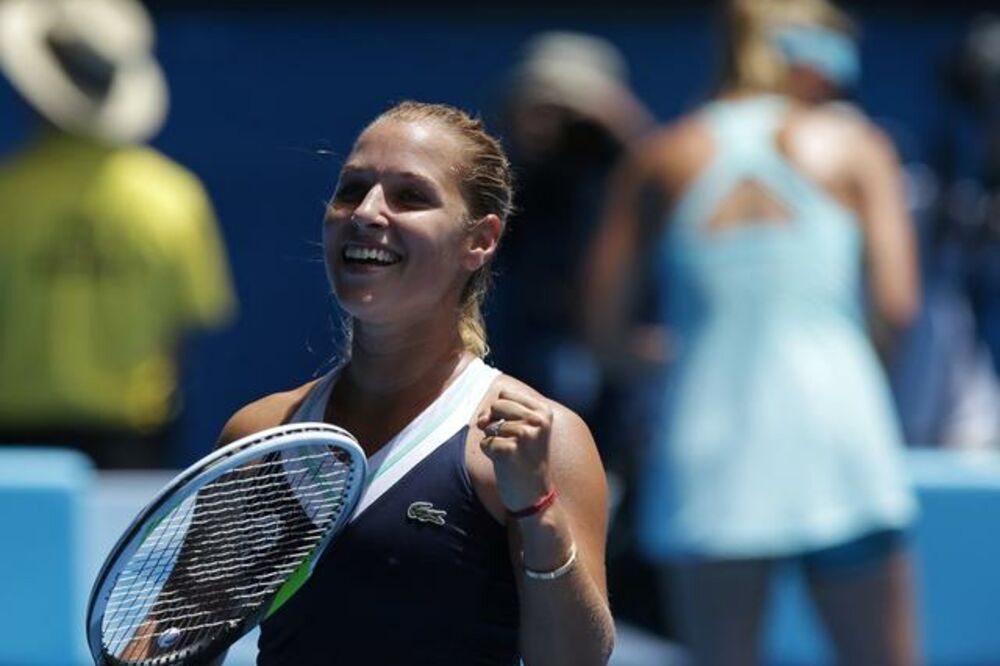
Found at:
<point>832,54</point>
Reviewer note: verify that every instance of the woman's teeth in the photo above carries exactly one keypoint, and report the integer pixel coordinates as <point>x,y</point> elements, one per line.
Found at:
<point>371,255</point>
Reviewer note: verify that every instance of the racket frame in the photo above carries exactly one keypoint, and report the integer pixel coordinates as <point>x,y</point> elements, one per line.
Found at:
<point>193,479</point>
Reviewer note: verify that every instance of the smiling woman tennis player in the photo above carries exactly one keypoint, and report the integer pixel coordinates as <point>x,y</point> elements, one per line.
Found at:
<point>480,539</point>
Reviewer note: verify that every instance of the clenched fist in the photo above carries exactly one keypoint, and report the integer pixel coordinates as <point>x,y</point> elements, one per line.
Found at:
<point>517,427</point>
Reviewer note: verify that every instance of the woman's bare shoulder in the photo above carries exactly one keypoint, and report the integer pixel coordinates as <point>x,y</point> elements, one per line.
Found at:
<point>684,137</point>
<point>839,121</point>
<point>267,412</point>
<point>838,137</point>
<point>672,154</point>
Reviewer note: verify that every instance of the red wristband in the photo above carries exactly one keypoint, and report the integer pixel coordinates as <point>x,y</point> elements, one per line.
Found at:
<point>541,504</point>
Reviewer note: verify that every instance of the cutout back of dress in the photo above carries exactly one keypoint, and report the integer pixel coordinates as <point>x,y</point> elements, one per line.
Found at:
<point>754,228</point>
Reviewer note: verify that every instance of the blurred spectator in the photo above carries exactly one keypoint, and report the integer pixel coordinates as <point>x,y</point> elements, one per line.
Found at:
<point>946,379</point>
<point>777,439</point>
<point>109,252</point>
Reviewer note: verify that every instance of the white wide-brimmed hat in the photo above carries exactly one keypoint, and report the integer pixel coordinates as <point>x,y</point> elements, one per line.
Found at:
<point>86,65</point>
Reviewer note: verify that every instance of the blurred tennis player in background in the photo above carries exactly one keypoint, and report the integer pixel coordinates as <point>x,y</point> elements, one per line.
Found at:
<point>109,251</point>
<point>480,539</point>
<point>778,439</point>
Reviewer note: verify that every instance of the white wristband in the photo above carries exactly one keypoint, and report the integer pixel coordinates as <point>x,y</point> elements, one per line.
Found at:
<point>557,572</point>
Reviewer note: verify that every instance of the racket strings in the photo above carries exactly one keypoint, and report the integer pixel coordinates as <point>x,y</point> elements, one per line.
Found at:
<point>232,534</point>
<point>188,620</point>
<point>254,592</point>
<point>182,613</point>
<point>207,572</point>
<point>151,565</point>
<point>219,555</point>
<point>264,473</point>
<point>213,510</point>
<point>212,507</point>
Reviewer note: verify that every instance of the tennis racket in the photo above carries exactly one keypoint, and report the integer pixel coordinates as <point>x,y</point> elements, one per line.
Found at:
<point>223,546</point>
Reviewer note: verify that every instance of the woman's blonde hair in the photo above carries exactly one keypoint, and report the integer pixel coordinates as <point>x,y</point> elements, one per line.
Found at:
<point>751,59</point>
<point>487,184</point>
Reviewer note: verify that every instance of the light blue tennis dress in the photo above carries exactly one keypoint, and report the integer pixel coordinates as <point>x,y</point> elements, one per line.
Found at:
<point>778,433</point>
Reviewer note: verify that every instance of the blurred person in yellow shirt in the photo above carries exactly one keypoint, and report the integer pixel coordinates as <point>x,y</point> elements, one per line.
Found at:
<point>109,251</point>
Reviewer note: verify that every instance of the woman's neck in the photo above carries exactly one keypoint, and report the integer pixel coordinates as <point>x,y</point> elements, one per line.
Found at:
<point>736,93</point>
<point>392,376</point>
<point>388,361</point>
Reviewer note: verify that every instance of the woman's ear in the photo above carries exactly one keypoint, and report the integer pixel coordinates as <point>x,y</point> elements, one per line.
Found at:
<point>482,242</point>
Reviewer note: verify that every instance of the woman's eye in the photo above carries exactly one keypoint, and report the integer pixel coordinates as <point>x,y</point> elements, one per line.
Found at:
<point>350,193</point>
<point>413,196</point>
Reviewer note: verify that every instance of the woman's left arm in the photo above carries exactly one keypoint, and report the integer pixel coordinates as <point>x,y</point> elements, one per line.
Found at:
<point>557,545</point>
<point>890,243</point>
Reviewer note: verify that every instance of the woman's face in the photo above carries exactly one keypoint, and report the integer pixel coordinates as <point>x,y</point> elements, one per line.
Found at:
<point>395,234</point>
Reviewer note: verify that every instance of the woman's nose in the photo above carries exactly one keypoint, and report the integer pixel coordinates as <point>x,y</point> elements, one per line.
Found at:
<point>372,209</point>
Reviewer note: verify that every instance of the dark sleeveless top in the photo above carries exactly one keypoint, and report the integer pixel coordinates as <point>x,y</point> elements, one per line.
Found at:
<point>397,588</point>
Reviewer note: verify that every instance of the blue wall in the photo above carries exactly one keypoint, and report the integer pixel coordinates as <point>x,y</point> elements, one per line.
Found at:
<point>266,103</point>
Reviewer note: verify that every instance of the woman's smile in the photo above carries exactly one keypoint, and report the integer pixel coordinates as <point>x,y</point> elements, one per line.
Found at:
<point>368,258</point>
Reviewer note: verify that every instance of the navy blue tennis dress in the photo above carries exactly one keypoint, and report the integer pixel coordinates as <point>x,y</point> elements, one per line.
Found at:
<point>422,574</point>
